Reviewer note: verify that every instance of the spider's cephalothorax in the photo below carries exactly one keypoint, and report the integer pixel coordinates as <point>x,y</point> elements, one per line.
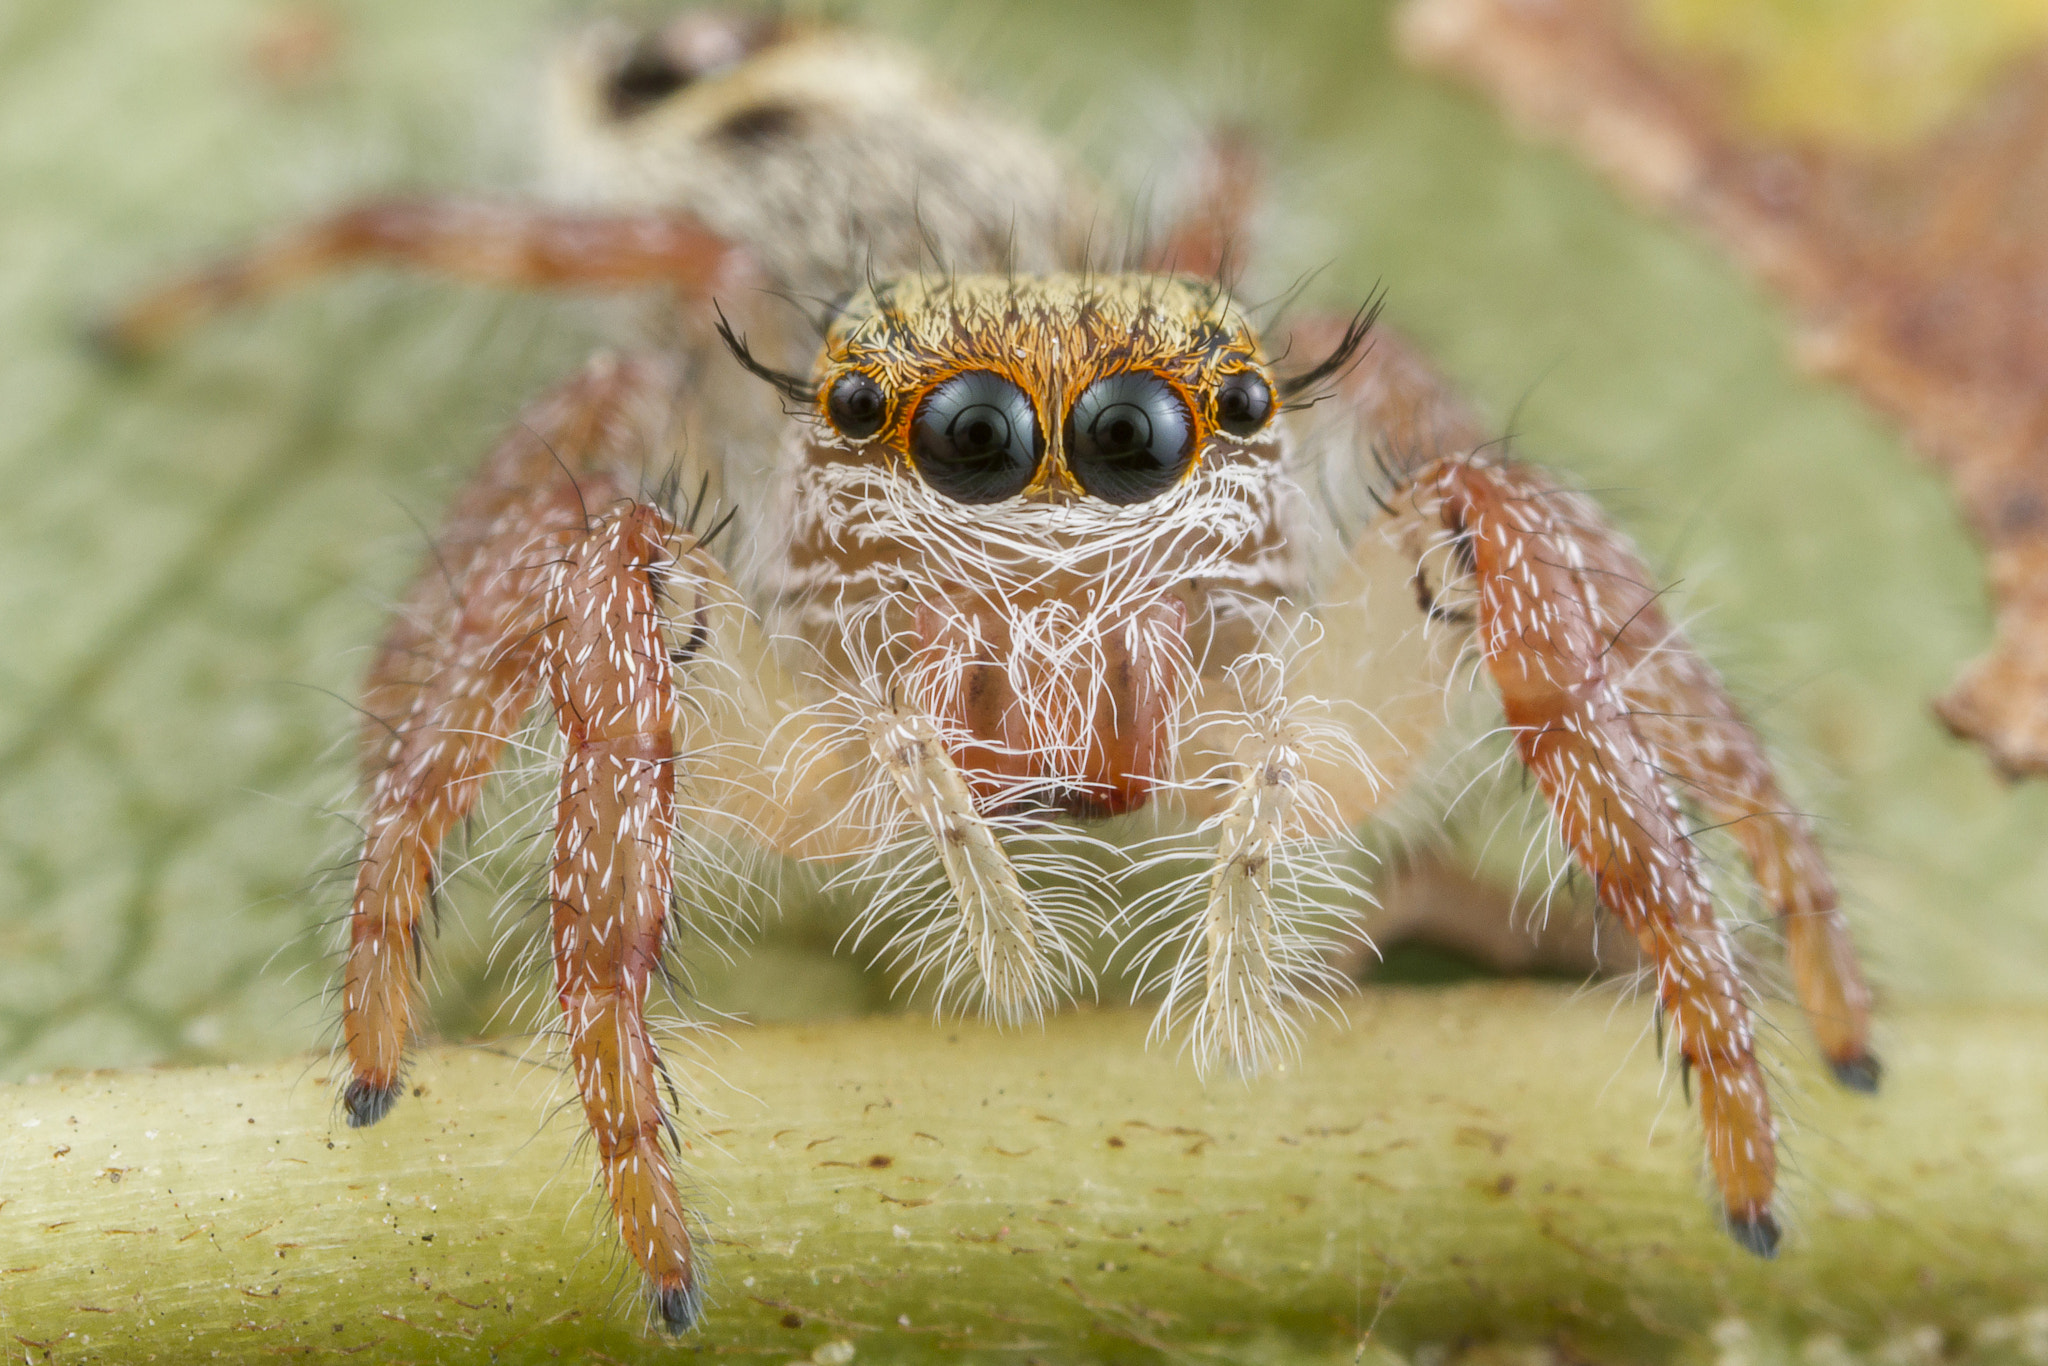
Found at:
<point>1030,548</point>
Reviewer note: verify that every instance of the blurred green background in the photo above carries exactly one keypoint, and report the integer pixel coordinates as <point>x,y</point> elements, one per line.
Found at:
<point>196,554</point>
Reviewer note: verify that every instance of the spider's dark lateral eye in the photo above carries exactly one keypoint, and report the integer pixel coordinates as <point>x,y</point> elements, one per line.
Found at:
<point>976,438</point>
<point>856,406</point>
<point>1243,403</point>
<point>1129,437</point>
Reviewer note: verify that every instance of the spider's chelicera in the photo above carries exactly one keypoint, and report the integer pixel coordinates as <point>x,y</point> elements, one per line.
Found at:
<point>1021,549</point>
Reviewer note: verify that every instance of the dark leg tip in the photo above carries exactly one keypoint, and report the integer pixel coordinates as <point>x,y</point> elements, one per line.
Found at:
<point>1860,1073</point>
<point>676,1306</point>
<point>1757,1233</point>
<point>366,1104</point>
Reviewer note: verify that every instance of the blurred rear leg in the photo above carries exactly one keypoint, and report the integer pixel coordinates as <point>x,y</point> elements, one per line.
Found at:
<point>517,245</point>
<point>1211,236</point>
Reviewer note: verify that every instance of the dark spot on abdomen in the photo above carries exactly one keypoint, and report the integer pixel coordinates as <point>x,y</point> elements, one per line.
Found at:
<point>646,77</point>
<point>695,46</point>
<point>760,124</point>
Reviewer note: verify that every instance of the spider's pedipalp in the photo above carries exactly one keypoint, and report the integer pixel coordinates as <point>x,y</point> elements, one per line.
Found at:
<point>1277,904</point>
<point>993,942</point>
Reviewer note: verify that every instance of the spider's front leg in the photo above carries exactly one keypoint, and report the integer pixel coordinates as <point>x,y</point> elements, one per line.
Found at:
<point>457,673</point>
<point>1558,595</point>
<point>546,577</point>
<point>605,655</point>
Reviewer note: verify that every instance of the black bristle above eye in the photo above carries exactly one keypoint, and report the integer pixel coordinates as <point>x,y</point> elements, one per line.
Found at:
<point>1350,349</point>
<point>795,388</point>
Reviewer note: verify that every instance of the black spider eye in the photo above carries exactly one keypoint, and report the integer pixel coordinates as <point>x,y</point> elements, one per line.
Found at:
<point>856,405</point>
<point>976,438</point>
<point>1129,437</point>
<point>1243,403</point>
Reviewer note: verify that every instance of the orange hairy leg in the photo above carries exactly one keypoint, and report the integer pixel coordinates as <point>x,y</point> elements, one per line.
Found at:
<point>606,659</point>
<point>1678,705</point>
<point>489,243</point>
<point>528,591</point>
<point>455,677</point>
<point>1703,744</point>
<point>1541,633</point>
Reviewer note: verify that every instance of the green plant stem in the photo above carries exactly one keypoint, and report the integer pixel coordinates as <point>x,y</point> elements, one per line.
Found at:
<point>1456,1165</point>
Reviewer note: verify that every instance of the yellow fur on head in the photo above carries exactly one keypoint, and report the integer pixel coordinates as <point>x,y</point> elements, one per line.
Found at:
<point>1052,335</point>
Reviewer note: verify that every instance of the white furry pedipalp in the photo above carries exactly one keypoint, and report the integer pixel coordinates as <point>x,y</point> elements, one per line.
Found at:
<point>1044,590</point>
<point>1277,896</point>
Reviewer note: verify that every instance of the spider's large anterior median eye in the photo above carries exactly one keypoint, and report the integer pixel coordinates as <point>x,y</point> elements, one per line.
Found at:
<point>1243,403</point>
<point>1129,437</point>
<point>976,438</point>
<point>856,405</point>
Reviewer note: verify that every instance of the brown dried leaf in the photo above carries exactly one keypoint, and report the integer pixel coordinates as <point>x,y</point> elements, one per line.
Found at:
<point>1918,273</point>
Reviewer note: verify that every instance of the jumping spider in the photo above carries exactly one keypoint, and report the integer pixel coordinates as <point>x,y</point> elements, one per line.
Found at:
<point>1030,542</point>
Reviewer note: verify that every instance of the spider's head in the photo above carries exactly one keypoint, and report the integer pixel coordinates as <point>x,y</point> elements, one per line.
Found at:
<point>1115,390</point>
<point>1036,504</point>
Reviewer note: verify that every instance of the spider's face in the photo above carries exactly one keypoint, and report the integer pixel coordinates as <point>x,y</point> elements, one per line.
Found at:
<point>1049,390</point>
<point>1038,503</point>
